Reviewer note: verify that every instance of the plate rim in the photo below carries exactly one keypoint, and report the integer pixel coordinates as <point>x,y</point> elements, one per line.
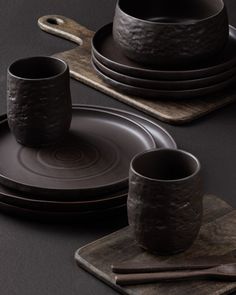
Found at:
<point>228,74</point>
<point>53,191</point>
<point>164,94</point>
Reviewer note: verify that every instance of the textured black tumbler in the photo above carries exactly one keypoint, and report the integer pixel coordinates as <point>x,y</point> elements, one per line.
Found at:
<point>165,200</point>
<point>38,100</point>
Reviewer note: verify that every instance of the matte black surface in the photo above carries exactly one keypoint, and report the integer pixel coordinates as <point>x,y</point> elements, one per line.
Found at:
<point>168,33</point>
<point>164,84</point>
<point>107,51</point>
<point>37,258</point>
<point>165,94</point>
<point>90,160</point>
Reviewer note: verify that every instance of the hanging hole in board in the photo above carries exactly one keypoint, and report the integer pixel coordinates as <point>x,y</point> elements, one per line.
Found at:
<point>55,21</point>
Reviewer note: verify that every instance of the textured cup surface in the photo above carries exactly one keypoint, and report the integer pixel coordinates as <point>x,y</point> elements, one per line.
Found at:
<point>165,200</point>
<point>167,33</point>
<point>39,104</point>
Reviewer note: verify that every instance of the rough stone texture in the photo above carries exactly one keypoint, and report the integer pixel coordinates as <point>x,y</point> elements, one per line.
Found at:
<point>39,111</point>
<point>168,44</point>
<point>165,217</point>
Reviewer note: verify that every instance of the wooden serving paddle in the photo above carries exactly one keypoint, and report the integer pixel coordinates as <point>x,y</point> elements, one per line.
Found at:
<point>79,61</point>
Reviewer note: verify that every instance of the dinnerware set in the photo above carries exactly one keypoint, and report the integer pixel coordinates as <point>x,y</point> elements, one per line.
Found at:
<point>83,167</point>
<point>61,160</point>
<point>180,50</point>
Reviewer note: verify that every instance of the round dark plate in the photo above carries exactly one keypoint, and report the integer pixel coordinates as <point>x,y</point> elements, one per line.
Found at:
<point>93,159</point>
<point>63,216</point>
<point>163,94</point>
<point>108,53</point>
<point>17,198</point>
<point>161,137</point>
<point>10,199</point>
<point>161,84</point>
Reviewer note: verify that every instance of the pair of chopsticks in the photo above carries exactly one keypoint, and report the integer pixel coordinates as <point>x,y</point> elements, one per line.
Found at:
<point>127,273</point>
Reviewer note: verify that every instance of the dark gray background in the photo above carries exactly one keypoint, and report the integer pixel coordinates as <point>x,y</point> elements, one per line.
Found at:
<point>37,258</point>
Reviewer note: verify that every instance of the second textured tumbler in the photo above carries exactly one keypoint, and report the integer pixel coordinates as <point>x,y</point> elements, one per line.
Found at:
<point>165,200</point>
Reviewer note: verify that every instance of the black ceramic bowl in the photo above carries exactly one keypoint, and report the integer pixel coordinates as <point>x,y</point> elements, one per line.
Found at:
<point>167,32</point>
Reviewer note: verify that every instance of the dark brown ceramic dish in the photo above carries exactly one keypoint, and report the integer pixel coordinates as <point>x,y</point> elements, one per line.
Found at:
<point>90,161</point>
<point>108,53</point>
<point>165,200</point>
<point>170,32</point>
<point>23,200</point>
<point>160,136</point>
<point>39,100</point>
<point>161,84</point>
<point>64,216</point>
<point>81,204</point>
<point>164,94</point>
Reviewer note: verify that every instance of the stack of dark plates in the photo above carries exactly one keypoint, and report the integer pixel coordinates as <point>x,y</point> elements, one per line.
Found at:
<point>86,174</point>
<point>178,53</point>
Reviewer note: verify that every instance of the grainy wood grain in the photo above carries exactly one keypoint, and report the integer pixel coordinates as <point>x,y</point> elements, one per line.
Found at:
<point>217,237</point>
<point>79,60</point>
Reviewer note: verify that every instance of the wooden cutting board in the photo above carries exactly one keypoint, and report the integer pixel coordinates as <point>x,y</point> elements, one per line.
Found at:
<point>79,60</point>
<point>217,237</point>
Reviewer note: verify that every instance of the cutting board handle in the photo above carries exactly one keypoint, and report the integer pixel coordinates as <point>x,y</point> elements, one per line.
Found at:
<point>66,28</point>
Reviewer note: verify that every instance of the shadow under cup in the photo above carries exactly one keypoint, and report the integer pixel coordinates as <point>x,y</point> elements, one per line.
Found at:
<point>39,104</point>
<point>165,200</point>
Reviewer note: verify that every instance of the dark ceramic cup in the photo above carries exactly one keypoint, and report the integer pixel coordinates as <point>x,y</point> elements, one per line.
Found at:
<point>165,200</point>
<point>170,33</point>
<point>39,105</point>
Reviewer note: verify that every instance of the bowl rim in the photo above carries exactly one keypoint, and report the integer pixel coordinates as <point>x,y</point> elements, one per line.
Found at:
<point>223,8</point>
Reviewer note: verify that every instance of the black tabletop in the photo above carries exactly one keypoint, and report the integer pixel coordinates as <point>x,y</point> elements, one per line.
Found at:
<point>36,257</point>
